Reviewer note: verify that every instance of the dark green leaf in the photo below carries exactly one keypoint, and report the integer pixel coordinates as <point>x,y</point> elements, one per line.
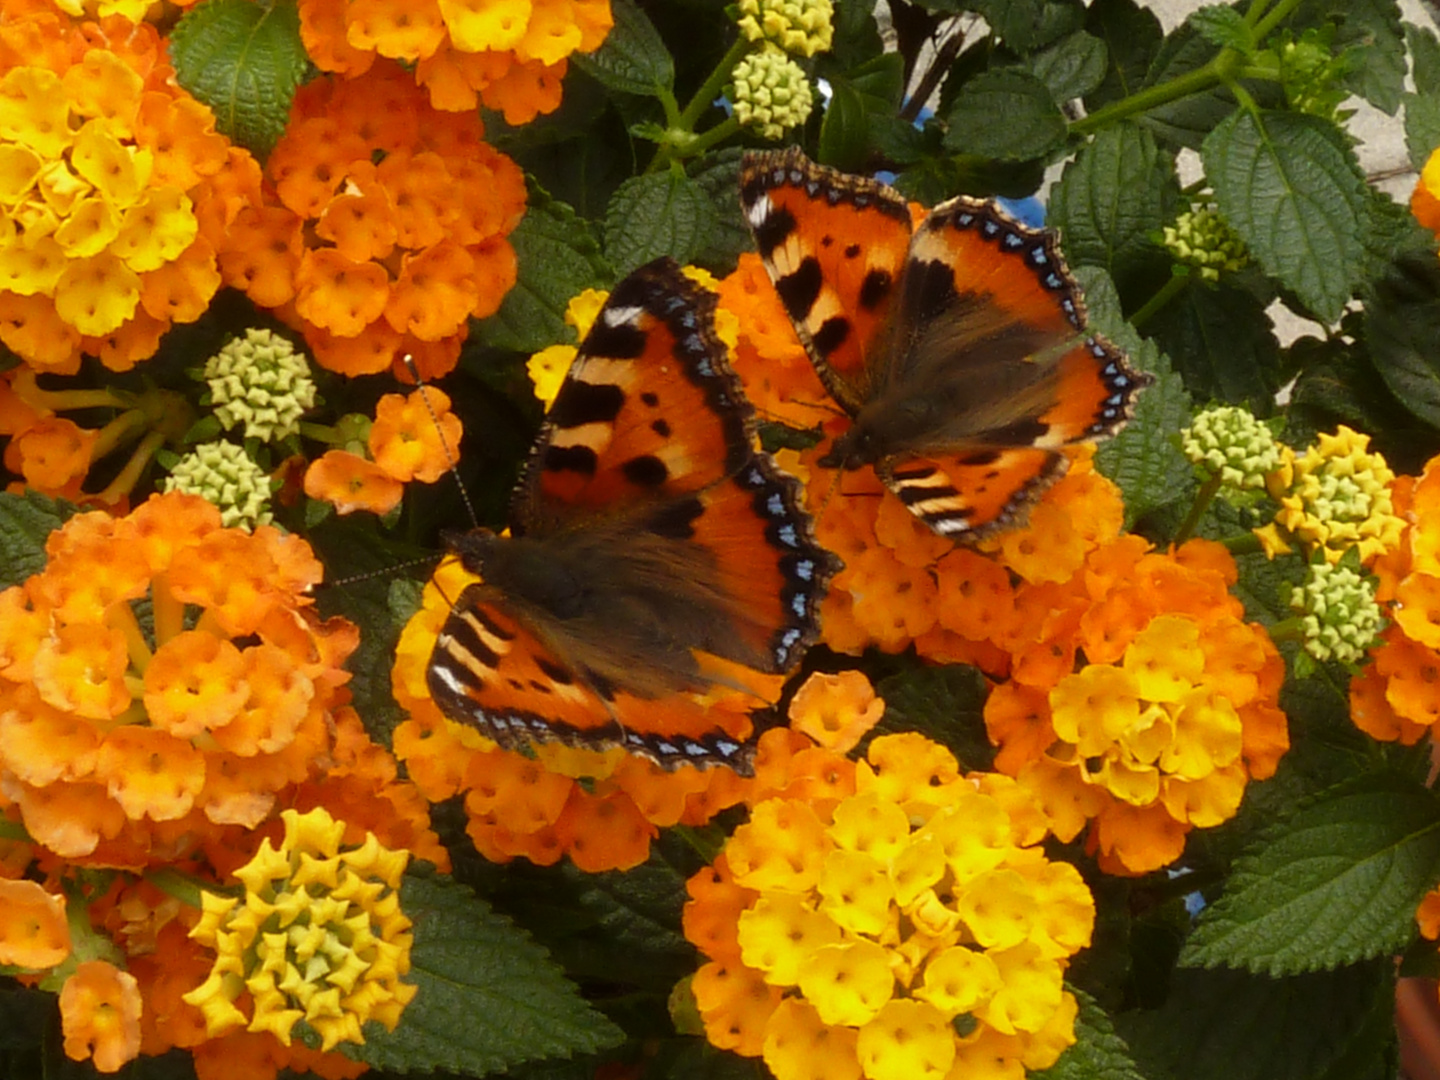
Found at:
<point>1006,114</point>
<point>1118,191</point>
<point>945,703</point>
<point>1187,120</point>
<point>488,998</point>
<point>1424,58</point>
<point>1144,458</point>
<point>1026,25</point>
<point>558,259</point>
<point>245,61</point>
<point>1230,1025</point>
<point>1402,326</point>
<point>1422,126</point>
<point>633,60</point>
<point>26,522</point>
<point>657,214</point>
<point>844,141</point>
<point>696,1059</point>
<point>1132,36</point>
<point>1072,67</point>
<point>1223,344</point>
<point>1222,25</point>
<point>718,175</point>
<point>1098,1054</point>
<point>1372,38</point>
<point>1336,883</point>
<point>1290,187</point>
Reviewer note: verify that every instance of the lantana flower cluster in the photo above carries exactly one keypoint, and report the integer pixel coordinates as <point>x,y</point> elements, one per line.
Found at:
<point>509,55</point>
<point>905,929</point>
<point>382,230</point>
<point>318,937</point>
<point>114,188</point>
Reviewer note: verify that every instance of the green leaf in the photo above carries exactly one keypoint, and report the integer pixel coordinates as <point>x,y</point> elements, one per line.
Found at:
<point>1336,883</point>
<point>245,61</point>
<point>1118,191</point>
<point>947,703</point>
<point>1290,187</point>
<point>657,214</point>
<point>1005,114</point>
<point>634,59</point>
<point>488,997</point>
<point>1026,25</point>
<point>1224,26</point>
<point>26,522</point>
<point>558,258</point>
<point>1223,343</point>
<point>1098,1052</point>
<point>1144,458</point>
<point>844,131</point>
<point>1402,325</point>
<point>1372,38</point>
<point>1230,1025</point>
<point>1422,126</point>
<point>1132,37</point>
<point>1072,67</point>
<point>1424,58</point>
<point>718,175</point>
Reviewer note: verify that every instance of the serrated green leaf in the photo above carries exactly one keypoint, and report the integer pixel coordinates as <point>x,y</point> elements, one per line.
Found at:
<point>558,259</point>
<point>26,522</point>
<point>718,175</point>
<point>1402,325</point>
<point>1294,192</point>
<point>1222,25</point>
<point>946,703</point>
<point>1098,1052</point>
<point>1336,883</point>
<point>488,996</point>
<point>657,214</point>
<point>1118,191</point>
<point>1071,67</point>
<point>245,61</point>
<point>1132,36</point>
<point>1026,25</point>
<point>1422,126</point>
<point>1005,114</point>
<point>1424,58</point>
<point>1187,120</point>
<point>1224,345</point>
<point>1144,458</point>
<point>633,59</point>
<point>1372,38</point>
<point>1229,1025</point>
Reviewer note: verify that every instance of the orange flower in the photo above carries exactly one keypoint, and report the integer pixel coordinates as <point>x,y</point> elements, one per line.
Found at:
<point>33,930</point>
<point>836,711</point>
<point>415,438</point>
<point>100,1009</point>
<point>352,483</point>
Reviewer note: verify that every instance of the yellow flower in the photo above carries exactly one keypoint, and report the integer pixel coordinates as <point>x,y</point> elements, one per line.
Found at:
<point>1337,496</point>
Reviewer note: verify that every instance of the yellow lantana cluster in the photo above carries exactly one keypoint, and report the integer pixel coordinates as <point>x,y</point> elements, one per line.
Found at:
<point>319,936</point>
<point>911,930</point>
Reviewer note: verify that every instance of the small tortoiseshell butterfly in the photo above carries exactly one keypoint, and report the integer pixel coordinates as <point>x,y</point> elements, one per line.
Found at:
<point>959,349</point>
<point>649,536</point>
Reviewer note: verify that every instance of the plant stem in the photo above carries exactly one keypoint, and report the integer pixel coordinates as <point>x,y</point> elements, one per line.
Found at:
<point>117,431</point>
<point>1167,292</point>
<point>1274,18</point>
<point>711,87</point>
<point>706,139</point>
<point>1216,71</point>
<point>1203,498</point>
<point>129,476</point>
<point>182,887</point>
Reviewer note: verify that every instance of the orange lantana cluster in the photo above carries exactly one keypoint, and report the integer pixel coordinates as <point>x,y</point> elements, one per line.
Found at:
<point>509,55</point>
<point>382,228</point>
<point>116,191</point>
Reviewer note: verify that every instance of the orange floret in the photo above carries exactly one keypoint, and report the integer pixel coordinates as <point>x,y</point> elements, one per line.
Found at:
<point>352,483</point>
<point>33,930</point>
<point>415,438</point>
<point>100,1010</point>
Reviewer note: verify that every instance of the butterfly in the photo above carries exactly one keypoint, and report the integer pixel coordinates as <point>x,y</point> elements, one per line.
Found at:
<point>654,552</point>
<point>959,348</point>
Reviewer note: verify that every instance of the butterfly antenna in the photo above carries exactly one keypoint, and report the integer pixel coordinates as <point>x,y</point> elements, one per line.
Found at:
<point>388,571</point>
<point>452,457</point>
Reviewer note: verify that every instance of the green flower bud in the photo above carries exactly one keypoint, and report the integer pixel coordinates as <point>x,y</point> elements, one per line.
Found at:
<point>223,474</point>
<point>771,93</point>
<point>801,27</point>
<point>1229,441</point>
<point>1339,612</point>
<point>259,381</point>
<point>1200,238</point>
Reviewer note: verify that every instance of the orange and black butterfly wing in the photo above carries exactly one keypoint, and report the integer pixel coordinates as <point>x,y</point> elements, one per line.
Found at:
<point>835,246</point>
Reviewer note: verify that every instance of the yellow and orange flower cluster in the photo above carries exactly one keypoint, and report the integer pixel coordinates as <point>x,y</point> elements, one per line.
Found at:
<point>383,228</point>
<point>319,938</point>
<point>1397,695</point>
<point>161,679</point>
<point>509,55</point>
<point>907,927</point>
<point>115,188</point>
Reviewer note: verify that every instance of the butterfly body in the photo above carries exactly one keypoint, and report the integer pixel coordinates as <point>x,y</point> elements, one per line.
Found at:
<point>654,551</point>
<point>959,347</point>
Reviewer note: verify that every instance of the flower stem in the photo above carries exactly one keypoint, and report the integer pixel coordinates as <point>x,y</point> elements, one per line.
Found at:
<point>182,887</point>
<point>1216,71</point>
<point>710,90</point>
<point>1167,292</point>
<point>129,476</point>
<point>1203,498</point>
<point>120,430</point>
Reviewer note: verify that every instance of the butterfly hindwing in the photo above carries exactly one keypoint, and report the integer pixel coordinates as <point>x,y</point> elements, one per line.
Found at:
<point>656,555</point>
